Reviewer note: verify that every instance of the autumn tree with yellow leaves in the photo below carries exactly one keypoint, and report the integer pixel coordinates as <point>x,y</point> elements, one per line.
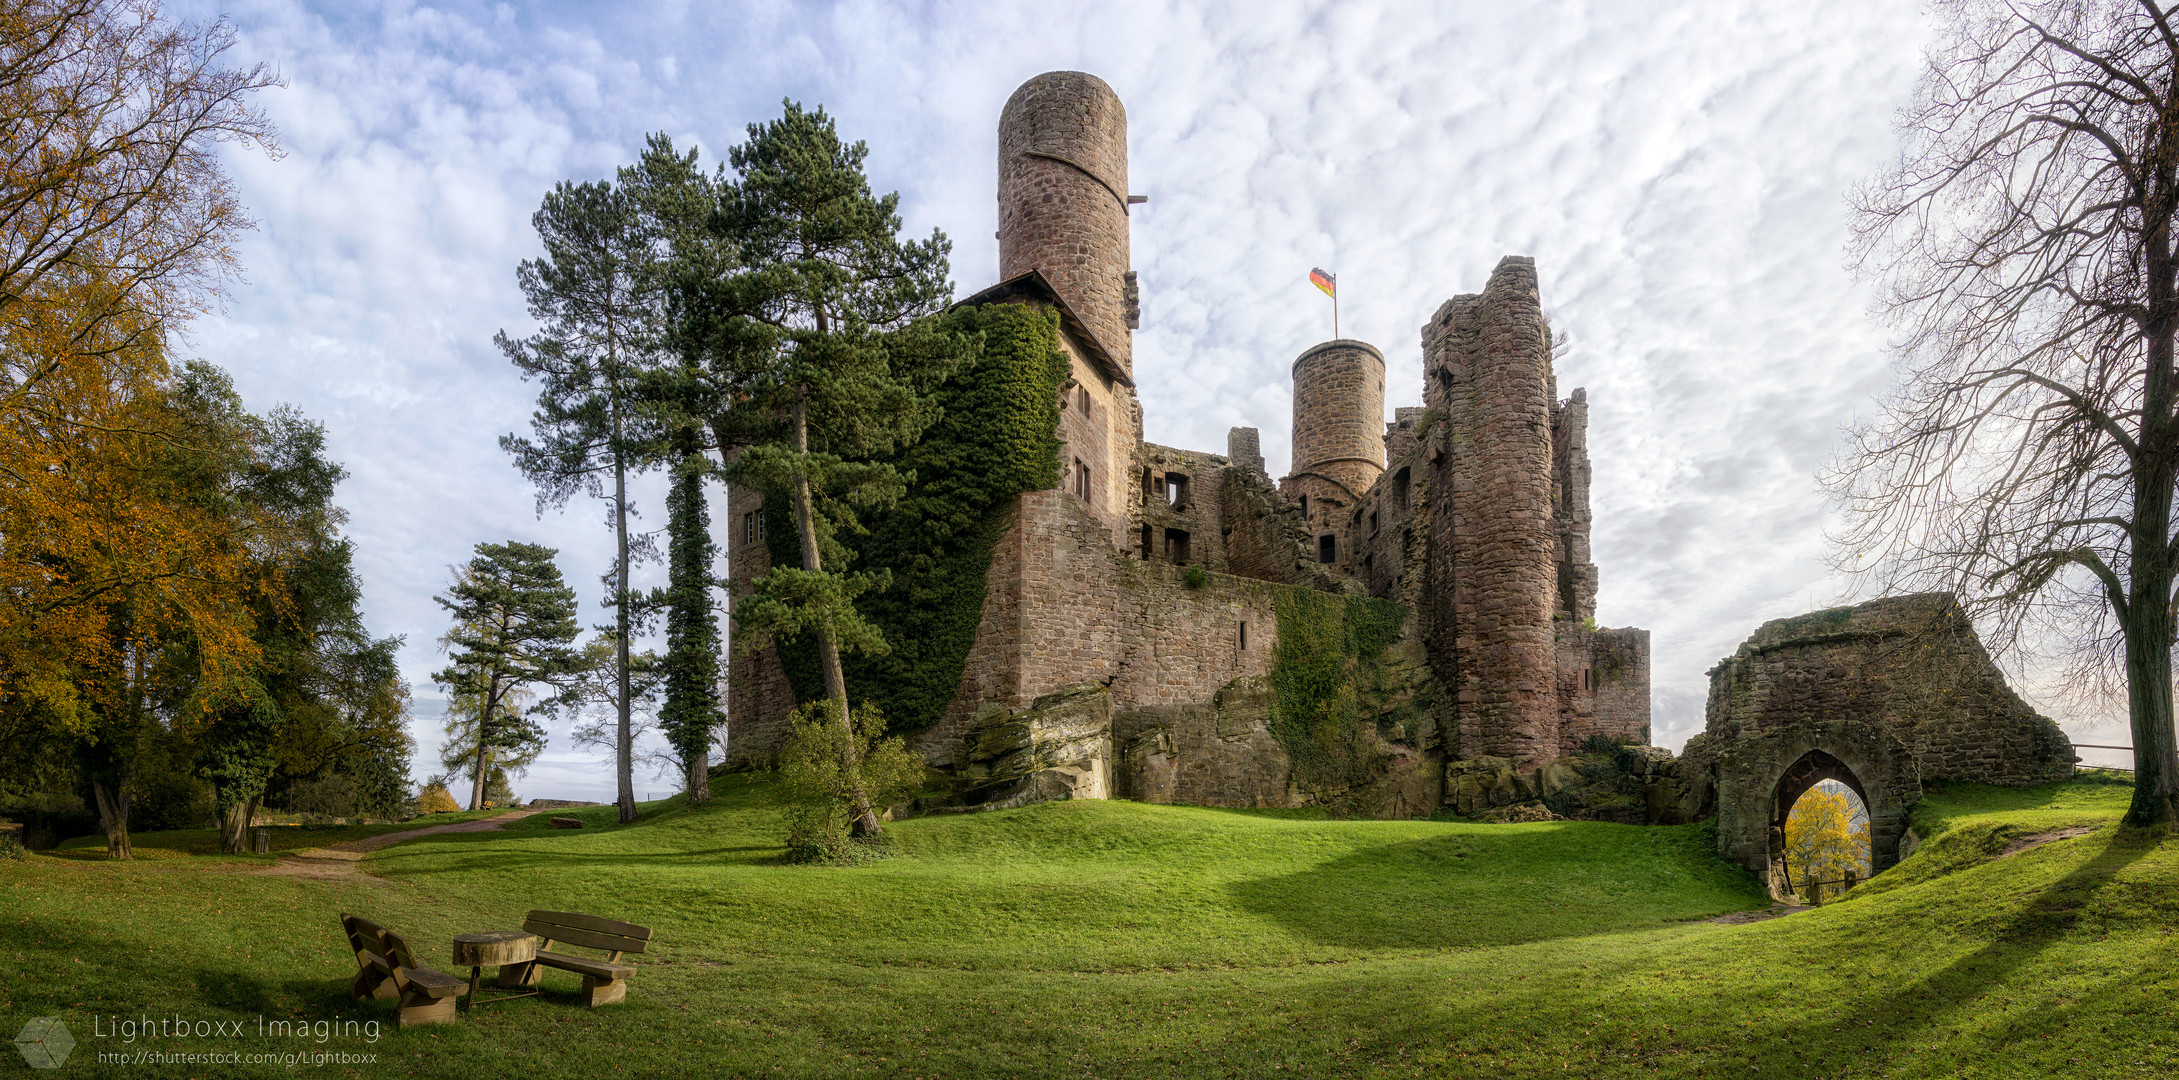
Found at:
<point>168,560</point>
<point>116,226</point>
<point>1825,842</point>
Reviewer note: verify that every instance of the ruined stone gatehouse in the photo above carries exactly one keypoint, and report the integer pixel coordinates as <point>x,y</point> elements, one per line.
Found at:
<point>1099,668</point>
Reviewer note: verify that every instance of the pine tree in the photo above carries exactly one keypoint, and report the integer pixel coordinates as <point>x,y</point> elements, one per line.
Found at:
<point>589,357</point>
<point>674,198</point>
<point>819,335</point>
<point>514,628</point>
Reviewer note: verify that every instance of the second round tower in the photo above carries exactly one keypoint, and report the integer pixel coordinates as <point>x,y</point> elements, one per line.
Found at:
<point>1339,413</point>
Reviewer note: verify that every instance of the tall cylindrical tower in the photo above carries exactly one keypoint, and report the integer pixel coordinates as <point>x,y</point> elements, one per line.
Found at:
<point>1339,413</point>
<point>1063,198</point>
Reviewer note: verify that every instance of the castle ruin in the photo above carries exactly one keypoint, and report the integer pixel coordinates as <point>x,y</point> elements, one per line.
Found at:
<point>1470,510</point>
<point>1129,641</point>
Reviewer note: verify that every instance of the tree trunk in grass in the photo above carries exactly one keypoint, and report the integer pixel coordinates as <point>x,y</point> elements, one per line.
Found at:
<point>113,817</point>
<point>828,644</point>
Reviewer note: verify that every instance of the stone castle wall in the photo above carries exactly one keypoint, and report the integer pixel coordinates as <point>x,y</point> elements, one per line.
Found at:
<point>1063,199</point>
<point>1892,693</point>
<point>1570,506</point>
<point>758,696</point>
<point>1100,425</point>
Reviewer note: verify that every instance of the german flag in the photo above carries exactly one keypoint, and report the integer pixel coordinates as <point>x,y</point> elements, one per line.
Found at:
<point>1323,279</point>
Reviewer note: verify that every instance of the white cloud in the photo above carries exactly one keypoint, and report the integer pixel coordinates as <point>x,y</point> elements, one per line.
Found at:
<point>1676,169</point>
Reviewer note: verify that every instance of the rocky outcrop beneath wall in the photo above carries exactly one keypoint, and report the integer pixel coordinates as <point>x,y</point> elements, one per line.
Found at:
<point>1060,747</point>
<point>1632,785</point>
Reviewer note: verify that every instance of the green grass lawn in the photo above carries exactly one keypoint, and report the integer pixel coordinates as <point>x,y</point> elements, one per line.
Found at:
<point>1116,939</point>
<point>180,843</point>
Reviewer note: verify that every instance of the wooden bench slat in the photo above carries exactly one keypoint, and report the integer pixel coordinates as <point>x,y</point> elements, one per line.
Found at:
<point>591,922</point>
<point>582,966</point>
<point>589,939</point>
<point>434,984</point>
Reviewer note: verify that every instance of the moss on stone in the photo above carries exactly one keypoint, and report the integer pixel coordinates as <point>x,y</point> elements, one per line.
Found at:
<point>1324,677</point>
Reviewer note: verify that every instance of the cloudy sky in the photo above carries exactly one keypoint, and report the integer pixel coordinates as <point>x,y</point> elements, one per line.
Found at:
<point>1678,171</point>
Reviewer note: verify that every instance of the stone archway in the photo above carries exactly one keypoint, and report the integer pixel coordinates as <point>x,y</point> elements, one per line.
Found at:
<point>1812,768</point>
<point>1764,773</point>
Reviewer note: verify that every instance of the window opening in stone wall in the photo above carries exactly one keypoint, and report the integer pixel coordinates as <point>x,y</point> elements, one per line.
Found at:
<point>1081,479</point>
<point>1305,508</point>
<point>1399,488</point>
<point>1146,483</point>
<point>1176,547</point>
<point>1369,564</point>
<point>1176,488</point>
<point>1327,548</point>
<point>1373,523</point>
<point>1146,543</point>
<point>1827,841</point>
<point>752,527</point>
<point>1082,398</point>
<point>1244,635</point>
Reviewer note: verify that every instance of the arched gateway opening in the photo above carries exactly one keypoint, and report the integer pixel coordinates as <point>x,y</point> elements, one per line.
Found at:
<point>1873,786</point>
<point>1819,828</point>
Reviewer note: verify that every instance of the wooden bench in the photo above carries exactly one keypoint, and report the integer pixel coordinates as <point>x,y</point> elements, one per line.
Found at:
<point>604,981</point>
<point>389,969</point>
<point>374,977</point>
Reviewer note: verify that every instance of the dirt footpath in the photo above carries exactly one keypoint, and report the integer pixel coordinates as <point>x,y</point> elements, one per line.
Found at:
<point>339,861</point>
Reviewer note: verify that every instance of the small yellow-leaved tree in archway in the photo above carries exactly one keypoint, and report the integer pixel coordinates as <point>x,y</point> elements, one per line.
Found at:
<point>1823,842</point>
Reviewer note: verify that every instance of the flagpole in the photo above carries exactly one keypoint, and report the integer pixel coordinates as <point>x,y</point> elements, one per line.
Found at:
<point>1335,305</point>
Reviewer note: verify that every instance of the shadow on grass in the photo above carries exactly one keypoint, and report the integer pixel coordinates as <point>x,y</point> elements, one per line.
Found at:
<point>1492,888</point>
<point>2027,927</point>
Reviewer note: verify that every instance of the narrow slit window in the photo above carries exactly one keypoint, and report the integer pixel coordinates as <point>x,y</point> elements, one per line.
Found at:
<point>1244,635</point>
<point>1146,543</point>
<point>1305,508</point>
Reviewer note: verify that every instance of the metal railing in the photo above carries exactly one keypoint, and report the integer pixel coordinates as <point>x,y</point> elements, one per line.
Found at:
<point>2101,746</point>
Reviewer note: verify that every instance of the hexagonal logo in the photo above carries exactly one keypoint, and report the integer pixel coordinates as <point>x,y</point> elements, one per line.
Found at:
<point>45,1042</point>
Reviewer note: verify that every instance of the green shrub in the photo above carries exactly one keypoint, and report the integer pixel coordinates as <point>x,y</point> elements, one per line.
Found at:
<point>1196,578</point>
<point>817,786</point>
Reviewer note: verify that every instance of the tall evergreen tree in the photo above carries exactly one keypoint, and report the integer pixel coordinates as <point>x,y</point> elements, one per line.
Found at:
<point>514,628</point>
<point>818,334</point>
<point>589,357</point>
<point>674,198</point>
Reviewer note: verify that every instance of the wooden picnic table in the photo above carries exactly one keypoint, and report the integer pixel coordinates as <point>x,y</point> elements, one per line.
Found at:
<point>511,950</point>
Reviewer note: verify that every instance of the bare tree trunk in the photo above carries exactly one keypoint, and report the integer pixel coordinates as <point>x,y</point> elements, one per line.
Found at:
<point>624,759</point>
<point>2147,618</point>
<point>113,817</point>
<point>234,825</point>
<point>828,645</point>
<point>484,743</point>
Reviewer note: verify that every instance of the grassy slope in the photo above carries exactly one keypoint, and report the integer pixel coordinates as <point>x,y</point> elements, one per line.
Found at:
<point>180,843</point>
<point>1113,939</point>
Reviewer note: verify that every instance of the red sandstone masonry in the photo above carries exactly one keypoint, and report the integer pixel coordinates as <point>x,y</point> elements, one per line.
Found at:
<point>757,693</point>
<point>1063,198</point>
<point>1489,373</point>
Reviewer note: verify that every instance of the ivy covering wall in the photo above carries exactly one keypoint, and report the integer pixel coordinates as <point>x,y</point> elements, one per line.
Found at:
<point>998,436</point>
<point>1329,647</point>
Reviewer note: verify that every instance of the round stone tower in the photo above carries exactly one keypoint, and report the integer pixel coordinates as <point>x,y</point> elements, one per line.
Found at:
<point>1339,413</point>
<point>1063,199</point>
<point>1339,439</point>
